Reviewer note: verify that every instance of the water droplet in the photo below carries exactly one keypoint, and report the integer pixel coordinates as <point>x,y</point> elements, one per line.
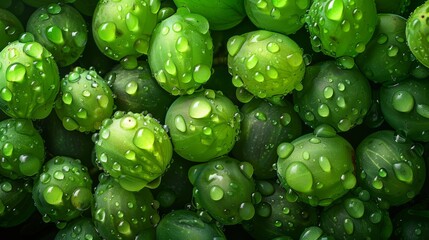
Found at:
<point>81,198</point>
<point>284,150</point>
<point>7,149</point>
<point>377,183</point>
<point>6,187</point>
<point>177,27</point>
<point>16,72</point>
<point>272,72</point>
<point>295,60</point>
<point>201,73</point>
<point>247,169</point>
<point>334,10</point>
<point>103,101</point>
<point>246,211</point>
<point>354,207</point>
<point>124,228</point>
<point>53,195</point>
<point>279,3</point>
<point>348,226</point>
<point>344,125</point>
<point>261,116</point>
<point>252,61</point>
<point>323,110</point>
<point>382,172</point>
<point>131,88</point>
<point>144,138</point>
<point>216,193</point>
<point>273,47</point>
<point>234,45</point>
<point>403,101</point>
<point>54,8</point>
<point>285,119</point>
<point>132,22</point>
<point>55,35</point>
<point>100,215</point>
<point>299,177</point>
<point>325,164</point>
<point>107,31</point>
<point>170,67</point>
<point>403,172</point>
<point>328,92</point>
<point>200,108</point>
<point>382,39</point>
<point>6,94</point>
<point>375,217</point>
<point>179,123</point>
<point>392,51</point>
<point>34,49</point>
<point>422,110</point>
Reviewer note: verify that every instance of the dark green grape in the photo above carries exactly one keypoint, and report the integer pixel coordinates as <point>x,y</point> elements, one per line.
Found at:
<point>23,150</point>
<point>62,142</point>
<point>356,216</point>
<point>417,33</point>
<point>61,29</point>
<point>29,79</point>
<point>265,63</point>
<point>121,214</point>
<point>63,190</point>
<point>224,187</point>
<point>122,29</point>
<point>281,16</point>
<point>405,107</point>
<point>263,127</point>
<point>221,14</point>
<point>175,190</point>
<point>11,28</point>
<point>16,204</point>
<point>185,224</point>
<point>181,52</point>
<point>387,57</point>
<point>203,126</point>
<point>392,6</point>
<point>331,95</point>
<point>276,216</point>
<point>390,168</point>
<point>79,229</point>
<point>317,167</point>
<point>134,149</point>
<point>135,90</point>
<point>412,222</point>
<point>85,100</point>
<point>341,28</point>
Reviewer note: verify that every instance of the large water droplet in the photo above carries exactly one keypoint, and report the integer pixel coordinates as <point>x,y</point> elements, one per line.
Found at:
<point>403,172</point>
<point>299,177</point>
<point>16,72</point>
<point>403,101</point>
<point>334,10</point>
<point>354,207</point>
<point>53,195</point>
<point>144,138</point>
<point>216,193</point>
<point>200,108</point>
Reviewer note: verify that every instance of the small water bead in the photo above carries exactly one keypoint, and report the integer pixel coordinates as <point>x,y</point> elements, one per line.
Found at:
<point>354,207</point>
<point>59,175</point>
<point>179,123</point>
<point>360,48</point>
<point>55,35</point>
<point>348,180</point>
<point>273,47</point>
<point>422,110</point>
<point>201,73</point>
<point>325,164</point>
<point>261,116</point>
<point>403,172</point>
<point>246,211</point>
<point>345,26</point>
<point>182,44</point>
<point>377,183</point>
<point>309,116</point>
<point>54,8</point>
<point>403,101</point>
<point>43,17</point>
<point>272,72</point>
<point>53,195</point>
<point>103,101</point>
<point>160,76</point>
<point>131,88</point>
<point>252,61</point>
<point>348,226</point>
<point>344,124</point>
<point>382,39</point>
<point>144,138</point>
<point>261,4</point>
<point>216,193</point>
<point>323,110</point>
<point>16,73</point>
<point>82,113</point>
<point>295,60</point>
<point>392,51</point>
<point>328,92</point>
<point>6,94</point>
<point>334,10</point>
<point>285,119</point>
<point>7,149</point>
<point>200,108</point>
<point>306,155</point>
<point>247,169</point>
<point>107,31</point>
<point>124,228</point>
<point>207,131</point>
<point>170,67</point>
<point>341,87</point>
<point>299,177</point>
<point>177,27</point>
<point>45,178</point>
<point>6,187</point>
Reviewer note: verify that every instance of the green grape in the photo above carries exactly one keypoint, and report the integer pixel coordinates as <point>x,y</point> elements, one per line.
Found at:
<point>331,95</point>
<point>134,149</point>
<point>265,63</point>
<point>79,229</point>
<point>356,216</point>
<point>317,168</point>
<point>224,187</point>
<point>341,28</point>
<point>203,126</point>
<point>185,224</point>
<point>121,214</point>
<point>85,100</point>
<point>281,16</point>
<point>387,57</point>
<point>264,126</point>
<point>16,204</point>
<point>29,79</point>
<point>405,108</point>
<point>276,216</point>
<point>181,52</point>
<point>61,30</point>
<point>22,149</point>
<point>11,28</point>
<point>63,190</point>
<point>417,33</point>
<point>390,168</point>
<point>136,90</point>
<point>122,29</point>
<point>223,14</point>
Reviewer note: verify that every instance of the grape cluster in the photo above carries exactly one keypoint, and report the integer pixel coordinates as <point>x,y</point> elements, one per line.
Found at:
<point>226,119</point>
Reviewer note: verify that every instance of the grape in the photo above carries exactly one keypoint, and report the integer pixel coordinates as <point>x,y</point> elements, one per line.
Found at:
<point>331,95</point>
<point>203,126</point>
<point>316,168</point>
<point>61,30</point>
<point>265,63</point>
<point>281,16</point>
<point>25,64</point>
<point>134,149</point>
<point>341,28</point>
<point>181,52</point>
